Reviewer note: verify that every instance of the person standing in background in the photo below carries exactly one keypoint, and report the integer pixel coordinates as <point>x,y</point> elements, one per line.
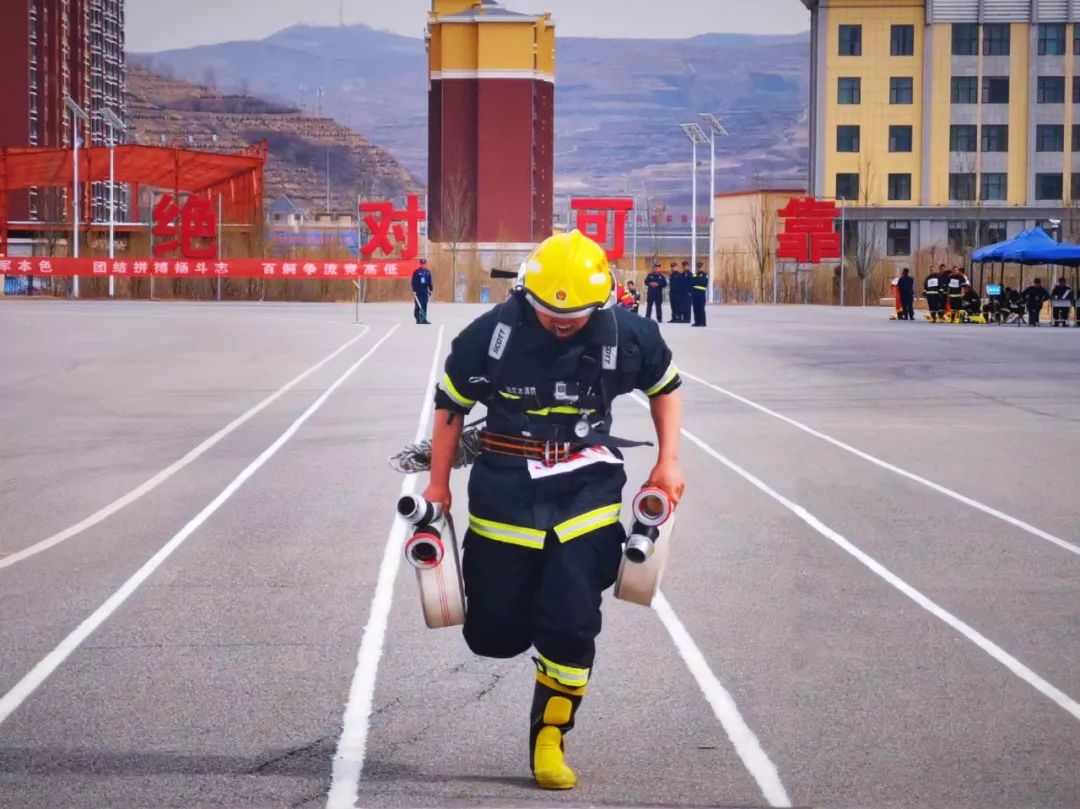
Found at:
<point>422,289</point>
<point>700,290</point>
<point>1034,297</point>
<point>1061,301</point>
<point>905,286</point>
<point>655,282</point>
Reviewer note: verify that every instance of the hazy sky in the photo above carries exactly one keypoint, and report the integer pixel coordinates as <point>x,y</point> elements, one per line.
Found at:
<point>154,25</point>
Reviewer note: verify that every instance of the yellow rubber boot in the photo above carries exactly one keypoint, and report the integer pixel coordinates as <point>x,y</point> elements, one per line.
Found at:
<point>554,706</point>
<point>549,768</point>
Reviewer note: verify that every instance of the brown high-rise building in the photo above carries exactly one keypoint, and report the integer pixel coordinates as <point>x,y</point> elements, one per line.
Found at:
<point>53,48</point>
<point>490,124</point>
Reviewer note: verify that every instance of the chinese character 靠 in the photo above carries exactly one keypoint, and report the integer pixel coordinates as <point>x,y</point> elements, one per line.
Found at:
<point>809,233</point>
<point>392,229</point>
<point>592,220</point>
<point>195,235</point>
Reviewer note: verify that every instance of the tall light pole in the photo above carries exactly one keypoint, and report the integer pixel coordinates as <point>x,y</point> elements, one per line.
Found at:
<point>697,136</point>
<point>113,121</point>
<point>715,128</point>
<point>77,114</point>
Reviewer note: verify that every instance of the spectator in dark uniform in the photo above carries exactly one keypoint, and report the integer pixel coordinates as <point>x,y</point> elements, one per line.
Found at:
<point>905,285</point>
<point>422,289</point>
<point>1034,297</point>
<point>1061,301</point>
<point>655,283</point>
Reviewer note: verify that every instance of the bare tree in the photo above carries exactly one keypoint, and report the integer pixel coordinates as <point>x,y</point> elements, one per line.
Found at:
<point>759,238</point>
<point>863,247</point>
<point>458,198</point>
<point>209,78</point>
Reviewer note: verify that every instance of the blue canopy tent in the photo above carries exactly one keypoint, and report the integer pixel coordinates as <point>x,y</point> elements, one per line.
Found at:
<point>1026,248</point>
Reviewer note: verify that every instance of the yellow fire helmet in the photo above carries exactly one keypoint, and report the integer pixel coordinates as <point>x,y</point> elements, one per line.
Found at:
<point>567,275</point>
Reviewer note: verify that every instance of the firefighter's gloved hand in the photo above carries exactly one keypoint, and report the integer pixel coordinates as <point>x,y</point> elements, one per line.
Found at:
<point>668,477</point>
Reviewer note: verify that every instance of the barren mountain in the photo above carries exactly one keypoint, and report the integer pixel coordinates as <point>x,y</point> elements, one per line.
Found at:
<point>165,110</point>
<point>618,101</point>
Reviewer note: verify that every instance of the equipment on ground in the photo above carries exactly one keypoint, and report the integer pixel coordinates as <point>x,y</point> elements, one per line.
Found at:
<point>433,551</point>
<point>647,547</point>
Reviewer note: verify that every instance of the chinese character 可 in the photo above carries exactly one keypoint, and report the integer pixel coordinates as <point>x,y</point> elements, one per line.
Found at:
<point>592,220</point>
<point>809,233</point>
<point>388,228</point>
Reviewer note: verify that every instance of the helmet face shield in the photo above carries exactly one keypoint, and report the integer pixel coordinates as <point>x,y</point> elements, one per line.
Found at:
<point>564,314</point>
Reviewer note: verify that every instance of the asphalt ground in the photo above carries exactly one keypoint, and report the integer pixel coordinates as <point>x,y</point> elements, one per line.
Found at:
<point>873,598</point>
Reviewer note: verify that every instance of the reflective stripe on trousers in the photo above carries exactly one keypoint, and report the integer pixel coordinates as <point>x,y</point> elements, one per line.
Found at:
<point>567,530</point>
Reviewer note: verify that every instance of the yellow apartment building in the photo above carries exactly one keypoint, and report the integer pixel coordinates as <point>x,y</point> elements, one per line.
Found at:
<point>946,123</point>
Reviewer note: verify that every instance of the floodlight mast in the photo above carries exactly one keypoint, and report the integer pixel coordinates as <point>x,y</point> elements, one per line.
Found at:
<point>715,128</point>
<point>77,114</point>
<point>696,135</point>
<point>114,123</point>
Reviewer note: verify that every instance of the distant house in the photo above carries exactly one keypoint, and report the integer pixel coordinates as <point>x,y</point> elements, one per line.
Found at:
<point>283,212</point>
<point>293,228</point>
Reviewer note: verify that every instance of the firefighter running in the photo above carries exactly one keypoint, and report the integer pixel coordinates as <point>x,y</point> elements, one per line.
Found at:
<point>544,538</point>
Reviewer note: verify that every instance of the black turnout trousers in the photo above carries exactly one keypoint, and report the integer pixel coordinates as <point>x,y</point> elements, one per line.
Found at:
<point>520,597</point>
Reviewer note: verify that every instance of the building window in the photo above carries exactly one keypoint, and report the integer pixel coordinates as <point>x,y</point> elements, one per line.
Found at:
<point>962,186</point>
<point>995,137</point>
<point>851,40</point>
<point>996,39</point>
<point>993,231</point>
<point>851,234</point>
<point>1076,137</point>
<point>898,238</point>
<point>961,236</point>
<point>899,138</point>
<point>1051,39</point>
<point>847,186</point>
<point>995,89</point>
<point>1074,185</point>
<point>902,41</point>
<point>849,91</point>
<point>847,138</point>
<point>965,90</point>
<point>1050,90</point>
<point>1076,39</point>
<point>963,137</point>
<point>900,90</point>
<point>1048,186</point>
<point>965,39</point>
<point>1049,138</point>
<point>995,186</point>
<point>899,186</point>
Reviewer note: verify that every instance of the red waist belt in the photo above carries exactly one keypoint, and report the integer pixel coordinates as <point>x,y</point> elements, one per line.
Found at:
<point>517,446</point>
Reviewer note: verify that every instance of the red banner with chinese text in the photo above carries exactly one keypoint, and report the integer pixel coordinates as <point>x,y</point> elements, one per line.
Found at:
<point>188,268</point>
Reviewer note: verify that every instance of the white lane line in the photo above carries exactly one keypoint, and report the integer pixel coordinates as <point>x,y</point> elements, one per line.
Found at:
<point>148,486</point>
<point>47,665</point>
<point>937,487</point>
<point>746,744</point>
<point>348,763</point>
<point>1053,693</point>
